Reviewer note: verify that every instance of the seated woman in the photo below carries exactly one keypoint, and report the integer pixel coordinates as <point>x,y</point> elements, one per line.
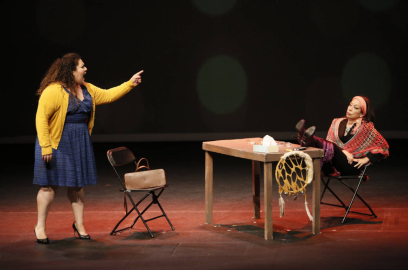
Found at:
<point>352,141</point>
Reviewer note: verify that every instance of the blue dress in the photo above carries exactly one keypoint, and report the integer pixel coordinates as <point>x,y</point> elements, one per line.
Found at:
<point>73,163</point>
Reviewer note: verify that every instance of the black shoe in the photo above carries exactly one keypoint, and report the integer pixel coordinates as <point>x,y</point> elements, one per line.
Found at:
<point>80,236</point>
<point>307,139</point>
<point>41,241</point>
<point>300,127</point>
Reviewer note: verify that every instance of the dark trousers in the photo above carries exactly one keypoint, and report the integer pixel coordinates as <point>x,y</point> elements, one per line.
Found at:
<point>339,160</point>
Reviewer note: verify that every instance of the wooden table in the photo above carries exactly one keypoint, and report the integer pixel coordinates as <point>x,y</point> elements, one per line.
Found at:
<point>242,148</point>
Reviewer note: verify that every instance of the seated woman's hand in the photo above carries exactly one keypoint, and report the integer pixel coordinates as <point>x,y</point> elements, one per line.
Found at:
<point>349,156</point>
<point>361,161</point>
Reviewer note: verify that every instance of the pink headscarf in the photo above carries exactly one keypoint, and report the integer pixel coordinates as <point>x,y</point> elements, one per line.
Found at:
<point>363,104</point>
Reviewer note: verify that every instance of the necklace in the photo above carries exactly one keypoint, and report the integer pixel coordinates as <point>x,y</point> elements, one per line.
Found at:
<point>349,128</point>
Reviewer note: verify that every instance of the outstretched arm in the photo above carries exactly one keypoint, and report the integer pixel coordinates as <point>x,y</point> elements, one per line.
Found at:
<point>103,96</point>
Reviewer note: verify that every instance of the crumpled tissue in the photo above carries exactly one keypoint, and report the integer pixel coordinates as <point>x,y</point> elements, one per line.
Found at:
<point>269,145</point>
<point>268,141</point>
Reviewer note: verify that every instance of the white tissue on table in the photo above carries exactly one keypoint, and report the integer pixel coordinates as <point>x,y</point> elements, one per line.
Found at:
<point>268,141</point>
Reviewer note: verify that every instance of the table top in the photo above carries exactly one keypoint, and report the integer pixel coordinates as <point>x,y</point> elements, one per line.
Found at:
<point>243,148</point>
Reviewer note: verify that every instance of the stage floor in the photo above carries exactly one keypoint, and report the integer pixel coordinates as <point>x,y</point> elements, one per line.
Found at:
<point>234,241</point>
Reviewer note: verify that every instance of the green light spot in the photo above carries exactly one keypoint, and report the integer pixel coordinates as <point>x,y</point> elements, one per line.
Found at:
<point>378,5</point>
<point>222,84</point>
<point>214,7</point>
<point>367,74</point>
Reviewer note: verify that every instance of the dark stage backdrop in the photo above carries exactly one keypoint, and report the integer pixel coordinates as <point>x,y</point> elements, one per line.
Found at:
<point>212,67</point>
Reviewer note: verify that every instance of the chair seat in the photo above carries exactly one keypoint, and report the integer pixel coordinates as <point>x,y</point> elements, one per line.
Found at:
<point>144,189</point>
<point>346,177</point>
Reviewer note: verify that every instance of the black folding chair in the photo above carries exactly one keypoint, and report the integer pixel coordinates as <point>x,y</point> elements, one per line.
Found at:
<point>361,177</point>
<point>123,156</point>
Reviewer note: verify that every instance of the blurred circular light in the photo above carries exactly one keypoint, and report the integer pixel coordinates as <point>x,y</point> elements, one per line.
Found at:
<point>378,5</point>
<point>367,74</point>
<point>214,7</point>
<point>222,84</point>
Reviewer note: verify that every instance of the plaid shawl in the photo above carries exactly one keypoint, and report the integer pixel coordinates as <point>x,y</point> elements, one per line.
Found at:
<point>366,139</point>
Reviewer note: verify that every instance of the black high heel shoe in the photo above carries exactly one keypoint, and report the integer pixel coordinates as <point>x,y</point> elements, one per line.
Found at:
<point>80,236</point>
<point>307,139</point>
<point>300,128</point>
<point>41,241</point>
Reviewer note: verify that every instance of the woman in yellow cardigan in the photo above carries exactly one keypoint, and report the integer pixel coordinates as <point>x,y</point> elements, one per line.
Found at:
<point>64,121</point>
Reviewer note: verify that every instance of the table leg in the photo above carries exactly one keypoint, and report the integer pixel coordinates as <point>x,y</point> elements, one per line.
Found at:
<point>256,189</point>
<point>316,196</point>
<point>208,188</point>
<point>268,200</point>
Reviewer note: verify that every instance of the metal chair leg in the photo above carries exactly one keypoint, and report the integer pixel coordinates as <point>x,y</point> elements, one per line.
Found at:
<point>361,199</point>
<point>144,222</point>
<point>128,213</point>
<point>355,194</point>
<point>117,225</point>
<point>140,201</point>
<point>140,214</point>
<point>332,192</point>
<point>144,210</point>
<point>168,220</point>
<point>352,200</point>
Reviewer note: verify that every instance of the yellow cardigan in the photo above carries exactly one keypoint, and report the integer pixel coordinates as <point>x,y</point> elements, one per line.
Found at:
<point>53,106</point>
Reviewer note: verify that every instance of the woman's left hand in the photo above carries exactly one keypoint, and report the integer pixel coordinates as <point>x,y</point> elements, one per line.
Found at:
<point>349,156</point>
<point>361,161</point>
<point>137,78</point>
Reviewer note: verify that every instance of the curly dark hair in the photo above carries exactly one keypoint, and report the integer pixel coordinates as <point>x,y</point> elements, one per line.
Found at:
<point>61,72</point>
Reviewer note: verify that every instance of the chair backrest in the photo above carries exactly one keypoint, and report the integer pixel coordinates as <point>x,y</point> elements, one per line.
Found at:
<point>120,156</point>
